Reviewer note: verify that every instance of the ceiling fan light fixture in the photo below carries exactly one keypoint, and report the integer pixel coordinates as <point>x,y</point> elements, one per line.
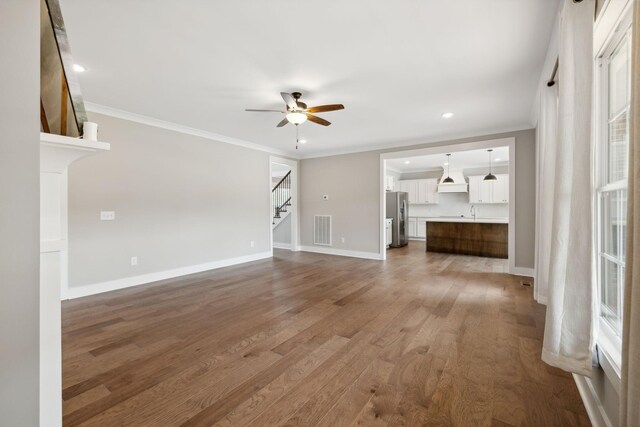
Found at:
<point>296,118</point>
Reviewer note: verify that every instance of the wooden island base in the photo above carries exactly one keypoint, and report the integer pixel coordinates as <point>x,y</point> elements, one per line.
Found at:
<point>468,238</point>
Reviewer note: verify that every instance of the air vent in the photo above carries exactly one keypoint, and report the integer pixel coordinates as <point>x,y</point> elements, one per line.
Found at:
<point>322,230</point>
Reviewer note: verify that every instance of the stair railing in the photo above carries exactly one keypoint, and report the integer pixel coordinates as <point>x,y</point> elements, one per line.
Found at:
<point>281,196</point>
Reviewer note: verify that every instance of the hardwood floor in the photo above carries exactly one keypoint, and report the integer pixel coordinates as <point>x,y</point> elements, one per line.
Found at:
<point>309,339</point>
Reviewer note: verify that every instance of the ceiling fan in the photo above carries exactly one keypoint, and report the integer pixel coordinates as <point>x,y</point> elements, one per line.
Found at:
<point>297,111</point>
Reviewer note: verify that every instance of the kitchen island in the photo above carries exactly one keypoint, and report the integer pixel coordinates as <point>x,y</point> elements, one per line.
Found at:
<point>487,237</point>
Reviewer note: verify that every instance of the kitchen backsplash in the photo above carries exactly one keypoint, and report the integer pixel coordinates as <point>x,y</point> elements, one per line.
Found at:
<point>458,204</point>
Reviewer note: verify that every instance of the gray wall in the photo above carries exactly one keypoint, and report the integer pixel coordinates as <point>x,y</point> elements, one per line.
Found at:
<point>282,232</point>
<point>353,184</point>
<point>19,212</point>
<point>179,200</point>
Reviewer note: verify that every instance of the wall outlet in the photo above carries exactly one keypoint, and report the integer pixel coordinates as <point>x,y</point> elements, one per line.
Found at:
<point>134,260</point>
<point>325,197</point>
<point>107,215</point>
<point>252,243</point>
<point>343,240</point>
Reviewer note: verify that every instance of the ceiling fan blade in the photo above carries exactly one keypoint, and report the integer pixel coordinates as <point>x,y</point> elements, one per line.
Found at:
<point>324,108</point>
<point>289,100</point>
<point>260,111</point>
<point>283,122</point>
<point>318,120</point>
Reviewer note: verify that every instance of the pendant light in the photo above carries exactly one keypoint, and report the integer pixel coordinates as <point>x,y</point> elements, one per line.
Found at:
<point>490,176</point>
<point>448,179</point>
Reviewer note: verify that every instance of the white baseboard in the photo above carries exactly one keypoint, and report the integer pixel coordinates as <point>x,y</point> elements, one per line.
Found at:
<point>126,282</point>
<point>340,252</point>
<point>592,404</point>
<point>523,271</point>
<point>282,245</point>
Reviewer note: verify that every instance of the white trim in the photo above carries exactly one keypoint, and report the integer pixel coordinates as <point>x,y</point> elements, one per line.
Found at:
<point>151,121</point>
<point>127,282</point>
<point>453,148</point>
<point>277,245</point>
<point>523,271</point>
<point>595,410</point>
<point>382,249</point>
<point>610,18</point>
<point>176,127</point>
<point>610,365</point>
<point>408,145</point>
<point>341,252</point>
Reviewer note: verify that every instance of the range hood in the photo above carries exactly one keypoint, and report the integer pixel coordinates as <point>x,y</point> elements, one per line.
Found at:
<point>459,184</point>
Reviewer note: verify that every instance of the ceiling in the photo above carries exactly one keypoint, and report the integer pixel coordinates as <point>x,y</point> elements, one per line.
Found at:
<point>396,66</point>
<point>459,160</point>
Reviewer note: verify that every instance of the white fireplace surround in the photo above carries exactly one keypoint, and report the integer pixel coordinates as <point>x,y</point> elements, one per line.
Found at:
<point>56,154</point>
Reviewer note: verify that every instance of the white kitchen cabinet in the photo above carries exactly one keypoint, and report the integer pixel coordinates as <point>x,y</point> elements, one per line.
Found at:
<point>432,190</point>
<point>481,191</point>
<point>413,232</point>
<point>421,229</point>
<point>501,189</point>
<point>417,228</point>
<point>421,191</point>
<point>389,183</point>
<point>388,231</point>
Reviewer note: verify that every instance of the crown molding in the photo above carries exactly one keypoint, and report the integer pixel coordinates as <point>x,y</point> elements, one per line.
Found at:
<point>493,133</point>
<point>176,127</point>
<point>163,124</point>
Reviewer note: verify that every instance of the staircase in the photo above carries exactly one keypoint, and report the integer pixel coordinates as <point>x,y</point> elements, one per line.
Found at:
<point>281,199</point>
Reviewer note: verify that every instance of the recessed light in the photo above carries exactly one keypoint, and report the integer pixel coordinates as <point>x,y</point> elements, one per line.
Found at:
<point>496,160</point>
<point>447,115</point>
<point>406,162</point>
<point>302,141</point>
<point>446,163</point>
<point>79,68</point>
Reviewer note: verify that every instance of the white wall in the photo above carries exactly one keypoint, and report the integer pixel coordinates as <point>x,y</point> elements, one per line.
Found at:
<point>353,183</point>
<point>458,204</point>
<point>180,201</point>
<point>19,212</point>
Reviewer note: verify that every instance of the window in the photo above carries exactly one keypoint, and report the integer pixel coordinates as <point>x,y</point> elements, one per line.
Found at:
<point>612,149</point>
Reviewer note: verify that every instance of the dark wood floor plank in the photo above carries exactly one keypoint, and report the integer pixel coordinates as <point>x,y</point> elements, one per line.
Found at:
<point>309,339</point>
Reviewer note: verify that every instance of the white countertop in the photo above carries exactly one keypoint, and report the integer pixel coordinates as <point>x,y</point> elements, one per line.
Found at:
<point>495,220</point>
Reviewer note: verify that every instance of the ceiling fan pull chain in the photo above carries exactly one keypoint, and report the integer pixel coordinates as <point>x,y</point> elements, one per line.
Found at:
<point>297,137</point>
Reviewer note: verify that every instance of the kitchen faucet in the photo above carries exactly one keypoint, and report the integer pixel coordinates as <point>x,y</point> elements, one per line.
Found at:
<point>473,212</point>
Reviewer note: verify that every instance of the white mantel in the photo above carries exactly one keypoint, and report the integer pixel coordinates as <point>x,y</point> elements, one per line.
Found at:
<point>56,154</point>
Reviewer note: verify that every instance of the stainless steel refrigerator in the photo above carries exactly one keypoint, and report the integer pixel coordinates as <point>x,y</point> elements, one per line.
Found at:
<point>398,209</point>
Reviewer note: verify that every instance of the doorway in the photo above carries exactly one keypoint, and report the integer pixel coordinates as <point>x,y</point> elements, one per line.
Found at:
<point>420,174</point>
<point>283,212</point>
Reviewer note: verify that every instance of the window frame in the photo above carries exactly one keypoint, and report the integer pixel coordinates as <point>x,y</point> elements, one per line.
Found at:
<point>609,341</point>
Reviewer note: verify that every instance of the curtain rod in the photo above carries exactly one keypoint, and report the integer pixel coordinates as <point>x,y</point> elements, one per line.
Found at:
<point>552,79</point>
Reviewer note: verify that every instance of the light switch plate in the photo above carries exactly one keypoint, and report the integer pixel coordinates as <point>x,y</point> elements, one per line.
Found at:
<point>107,215</point>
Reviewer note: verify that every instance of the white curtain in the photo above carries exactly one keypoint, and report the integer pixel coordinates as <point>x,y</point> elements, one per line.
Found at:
<point>568,329</point>
<point>630,390</point>
<point>545,152</point>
